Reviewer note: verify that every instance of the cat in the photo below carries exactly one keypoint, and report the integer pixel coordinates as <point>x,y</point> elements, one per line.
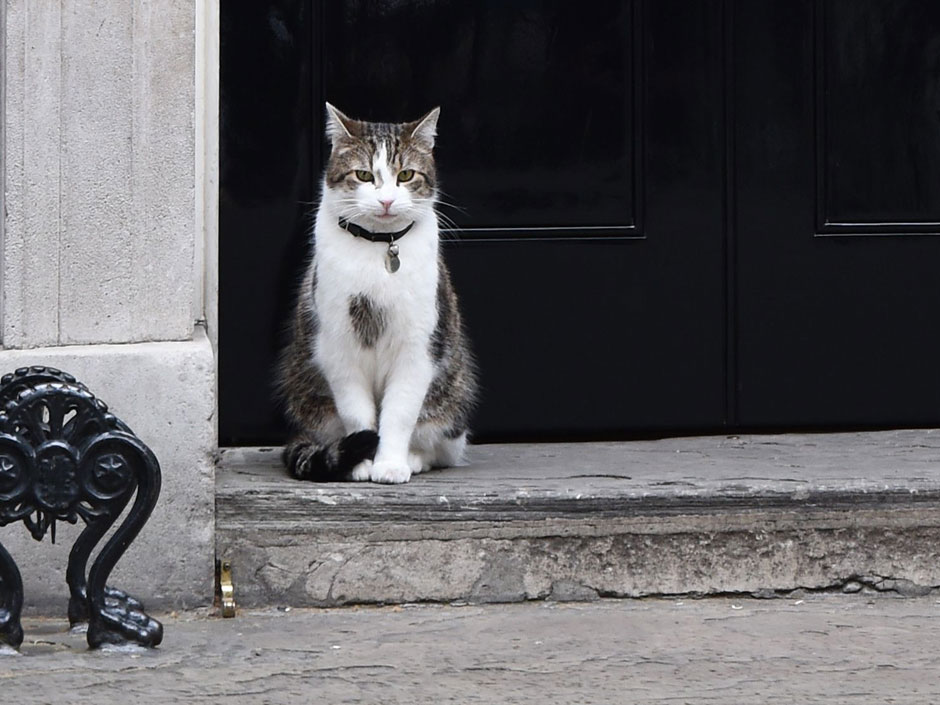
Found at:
<point>378,378</point>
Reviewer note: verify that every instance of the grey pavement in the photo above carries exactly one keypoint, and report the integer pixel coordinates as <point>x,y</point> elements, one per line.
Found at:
<point>819,648</point>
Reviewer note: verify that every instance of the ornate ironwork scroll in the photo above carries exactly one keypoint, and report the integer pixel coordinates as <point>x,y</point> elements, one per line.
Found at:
<point>65,457</point>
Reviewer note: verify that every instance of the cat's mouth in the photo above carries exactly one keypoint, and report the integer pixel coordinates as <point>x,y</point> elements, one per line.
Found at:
<point>386,217</point>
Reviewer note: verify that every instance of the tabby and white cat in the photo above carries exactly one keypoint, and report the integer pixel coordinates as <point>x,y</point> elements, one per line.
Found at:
<point>378,379</point>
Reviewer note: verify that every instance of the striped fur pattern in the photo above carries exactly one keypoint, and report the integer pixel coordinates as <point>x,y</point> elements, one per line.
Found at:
<point>378,379</point>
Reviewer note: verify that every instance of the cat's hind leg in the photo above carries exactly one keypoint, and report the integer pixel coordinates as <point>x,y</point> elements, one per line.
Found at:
<point>421,450</point>
<point>433,446</point>
<point>362,472</point>
<point>450,450</point>
<point>418,463</point>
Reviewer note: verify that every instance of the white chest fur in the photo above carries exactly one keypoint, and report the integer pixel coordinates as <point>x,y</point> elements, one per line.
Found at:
<point>348,267</point>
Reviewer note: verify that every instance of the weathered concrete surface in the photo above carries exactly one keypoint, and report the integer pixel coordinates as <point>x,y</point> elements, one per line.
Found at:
<point>165,393</point>
<point>99,172</point>
<point>822,649</point>
<point>577,521</point>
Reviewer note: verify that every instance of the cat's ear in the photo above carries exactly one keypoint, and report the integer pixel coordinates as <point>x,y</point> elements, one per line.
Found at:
<point>338,125</point>
<point>424,131</point>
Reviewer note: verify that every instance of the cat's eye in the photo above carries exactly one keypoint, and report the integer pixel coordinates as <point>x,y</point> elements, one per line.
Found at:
<point>405,175</point>
<point>364,175</point>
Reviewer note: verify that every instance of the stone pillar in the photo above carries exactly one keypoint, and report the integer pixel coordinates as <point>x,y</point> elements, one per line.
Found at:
<point>103,250</point>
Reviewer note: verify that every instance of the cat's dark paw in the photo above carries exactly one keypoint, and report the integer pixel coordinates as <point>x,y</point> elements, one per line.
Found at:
<point>357,447</point>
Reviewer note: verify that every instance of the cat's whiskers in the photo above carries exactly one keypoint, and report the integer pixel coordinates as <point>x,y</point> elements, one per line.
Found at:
<point>449,232</point>
<point>442,197</point>
<point>447,227</point>
<point>346,205</point>
<point>446,222</point>
<point>460,210</point>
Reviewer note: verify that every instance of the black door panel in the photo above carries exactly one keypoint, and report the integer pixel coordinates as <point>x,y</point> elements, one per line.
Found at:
<point>538,101</point>
<point>838,144</point>
<point>269,163</point>
<point>877,76</point>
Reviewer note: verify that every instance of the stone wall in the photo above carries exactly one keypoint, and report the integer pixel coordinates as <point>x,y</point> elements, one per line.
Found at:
<point>102,254</point>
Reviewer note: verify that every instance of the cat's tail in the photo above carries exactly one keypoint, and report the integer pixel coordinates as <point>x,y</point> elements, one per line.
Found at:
<point>332,462</point>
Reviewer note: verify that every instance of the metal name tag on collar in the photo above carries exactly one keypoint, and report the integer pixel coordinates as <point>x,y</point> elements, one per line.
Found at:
<point>392,263</point>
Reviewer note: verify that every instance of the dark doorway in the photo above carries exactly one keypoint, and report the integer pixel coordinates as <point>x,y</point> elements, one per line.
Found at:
<point>668,216</point>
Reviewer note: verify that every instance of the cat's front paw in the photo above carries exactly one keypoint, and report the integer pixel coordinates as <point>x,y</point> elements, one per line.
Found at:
<point>390,472</point>
<point>362,472</point>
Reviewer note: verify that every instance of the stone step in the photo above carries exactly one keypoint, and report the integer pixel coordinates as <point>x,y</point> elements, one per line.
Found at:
<point>764,515</point>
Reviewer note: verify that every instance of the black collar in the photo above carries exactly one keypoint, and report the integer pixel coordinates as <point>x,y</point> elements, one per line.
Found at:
<point>360,231</point>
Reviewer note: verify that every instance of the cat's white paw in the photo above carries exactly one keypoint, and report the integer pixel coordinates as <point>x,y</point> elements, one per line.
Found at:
<point>362,472</point>
<point>417,463</point>
<point>390,472</point>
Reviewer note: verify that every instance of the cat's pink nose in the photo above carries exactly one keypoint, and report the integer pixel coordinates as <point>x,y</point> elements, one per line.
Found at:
<point>387,204</point>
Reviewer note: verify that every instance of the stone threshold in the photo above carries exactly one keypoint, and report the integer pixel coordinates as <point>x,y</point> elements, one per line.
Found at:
<point>761,514</point>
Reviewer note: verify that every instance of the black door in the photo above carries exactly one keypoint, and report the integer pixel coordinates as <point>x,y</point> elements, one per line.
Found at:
<point>659,208</point>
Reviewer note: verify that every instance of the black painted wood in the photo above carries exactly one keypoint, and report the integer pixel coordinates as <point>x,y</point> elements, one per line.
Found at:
<point>537,98</point>
<point>267,159</point>
<point>837,330</point>
<point>877,74</point>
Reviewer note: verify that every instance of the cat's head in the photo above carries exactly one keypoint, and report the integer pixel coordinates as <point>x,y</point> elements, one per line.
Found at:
<point>381,175</point>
